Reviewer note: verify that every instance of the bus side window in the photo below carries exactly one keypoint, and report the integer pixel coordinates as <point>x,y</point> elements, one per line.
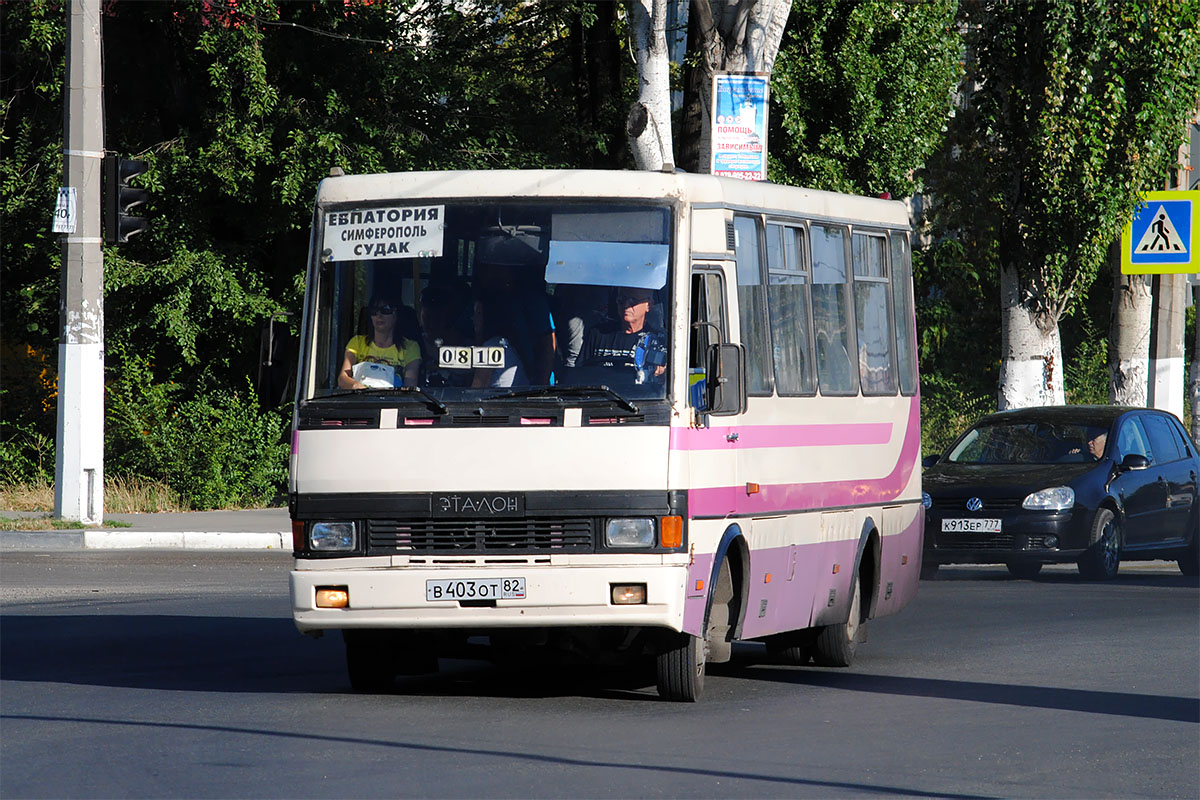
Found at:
<point>752,307</point>
<point>872,313</point>
<point>707,329</point>
<point>902,305</point>
<point>837,372</point>
<point>788,303</point>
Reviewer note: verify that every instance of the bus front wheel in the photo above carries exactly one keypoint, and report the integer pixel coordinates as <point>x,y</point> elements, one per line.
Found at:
<point>680,667</point>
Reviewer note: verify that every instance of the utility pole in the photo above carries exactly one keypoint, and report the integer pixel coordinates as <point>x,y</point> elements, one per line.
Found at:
<point>79,455</point>
<point>1167,367</point>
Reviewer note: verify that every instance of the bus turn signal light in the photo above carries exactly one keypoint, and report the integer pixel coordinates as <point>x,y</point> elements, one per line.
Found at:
<point>333,597</point>
<point>671,531</point>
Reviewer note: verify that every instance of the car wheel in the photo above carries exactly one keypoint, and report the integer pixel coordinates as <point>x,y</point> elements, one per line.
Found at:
<point>1102,558</point>
<point>1025,570</point>
<point>835,644</point>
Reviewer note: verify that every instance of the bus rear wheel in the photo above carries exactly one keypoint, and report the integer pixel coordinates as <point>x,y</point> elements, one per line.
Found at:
<point>835,644</point>
<point>679,668</point>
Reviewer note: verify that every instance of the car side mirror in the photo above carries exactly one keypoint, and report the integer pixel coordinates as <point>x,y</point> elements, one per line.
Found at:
<point>725,387</point>
<point>929,461</point>
<point>1133,461</point>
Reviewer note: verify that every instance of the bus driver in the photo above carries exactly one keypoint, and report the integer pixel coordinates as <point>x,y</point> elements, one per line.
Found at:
<point>628,344</point>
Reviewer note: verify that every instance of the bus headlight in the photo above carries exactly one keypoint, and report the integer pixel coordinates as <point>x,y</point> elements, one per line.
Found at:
<point>332,536</point>
<point>629,533</point>
<point>1058,498</point>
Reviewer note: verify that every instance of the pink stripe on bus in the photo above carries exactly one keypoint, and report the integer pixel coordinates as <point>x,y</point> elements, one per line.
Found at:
<point>760,436</point>
<point>773,498</point>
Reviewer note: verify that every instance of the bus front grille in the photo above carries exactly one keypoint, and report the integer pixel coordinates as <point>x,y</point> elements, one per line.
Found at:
<point>474,536</point>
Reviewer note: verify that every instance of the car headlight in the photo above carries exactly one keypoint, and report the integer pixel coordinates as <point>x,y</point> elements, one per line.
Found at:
<point>926,500</point>
<point>629,533</point>
<point>332,536</point>
<point>1058,498</point>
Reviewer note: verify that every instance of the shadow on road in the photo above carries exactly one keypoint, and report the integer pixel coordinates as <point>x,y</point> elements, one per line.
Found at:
<point>507,755</point>
<point>1068,576</point>
<point>1173,709</point>
<point>232,654</point>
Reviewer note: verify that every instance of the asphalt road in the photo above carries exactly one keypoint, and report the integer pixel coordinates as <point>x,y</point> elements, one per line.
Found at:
<point>179,674</point>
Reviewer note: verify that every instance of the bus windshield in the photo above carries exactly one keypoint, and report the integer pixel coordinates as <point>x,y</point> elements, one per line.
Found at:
<point>472,301</point>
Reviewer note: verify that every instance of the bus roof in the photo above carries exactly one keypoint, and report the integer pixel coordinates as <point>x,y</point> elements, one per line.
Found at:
<point>699,190</point>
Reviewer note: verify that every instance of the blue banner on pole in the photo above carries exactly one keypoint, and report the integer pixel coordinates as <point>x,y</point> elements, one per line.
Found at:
<point>739,126</point>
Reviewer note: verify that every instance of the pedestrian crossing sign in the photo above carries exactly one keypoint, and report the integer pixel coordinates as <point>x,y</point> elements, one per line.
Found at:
<point>1161,236</point>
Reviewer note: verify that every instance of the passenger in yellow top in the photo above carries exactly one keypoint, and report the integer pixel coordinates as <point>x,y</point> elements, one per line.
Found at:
<point>387,345</point>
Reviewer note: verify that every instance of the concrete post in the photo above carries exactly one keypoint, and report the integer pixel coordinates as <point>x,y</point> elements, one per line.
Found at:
<point>79,455</point>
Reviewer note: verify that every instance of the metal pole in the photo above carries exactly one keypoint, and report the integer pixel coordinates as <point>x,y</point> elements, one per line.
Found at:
<point>1168,369</point>
<point>79,456</point>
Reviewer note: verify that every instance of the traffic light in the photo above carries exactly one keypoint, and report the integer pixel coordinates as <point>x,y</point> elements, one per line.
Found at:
<point>120,197</point>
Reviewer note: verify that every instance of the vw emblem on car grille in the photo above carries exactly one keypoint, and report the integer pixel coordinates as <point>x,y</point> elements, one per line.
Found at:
<point>974,504</point>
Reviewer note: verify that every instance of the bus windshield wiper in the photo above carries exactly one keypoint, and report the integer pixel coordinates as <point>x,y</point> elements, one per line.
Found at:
<point>385,391</point>
<point>569,391</point>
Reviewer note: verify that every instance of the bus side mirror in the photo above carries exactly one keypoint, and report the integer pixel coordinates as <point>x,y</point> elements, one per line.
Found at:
<point>276,364</point>
<point>725,389</point>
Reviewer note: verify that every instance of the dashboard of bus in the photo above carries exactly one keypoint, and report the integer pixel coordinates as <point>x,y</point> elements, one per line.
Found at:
<point>515,302</point>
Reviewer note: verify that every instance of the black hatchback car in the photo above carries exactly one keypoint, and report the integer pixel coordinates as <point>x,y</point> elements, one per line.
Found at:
<point>1089,484</point>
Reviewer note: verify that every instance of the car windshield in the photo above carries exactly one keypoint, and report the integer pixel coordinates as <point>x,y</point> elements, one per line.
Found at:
<point>1030,443</point>
<point>492,301</point>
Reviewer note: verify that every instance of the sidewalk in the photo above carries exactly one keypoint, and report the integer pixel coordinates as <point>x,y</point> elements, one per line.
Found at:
<point>257,529</point>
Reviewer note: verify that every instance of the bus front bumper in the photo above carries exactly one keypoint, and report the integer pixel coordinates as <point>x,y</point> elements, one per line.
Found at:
<point>555,596</point>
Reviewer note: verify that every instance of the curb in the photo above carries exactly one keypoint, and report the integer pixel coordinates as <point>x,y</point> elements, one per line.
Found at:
<point>156,540</point>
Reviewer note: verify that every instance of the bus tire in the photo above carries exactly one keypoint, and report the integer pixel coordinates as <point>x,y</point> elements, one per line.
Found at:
<point>370,661</point>
<point>835,644</point>
<point>794,648</point>
<point>679,668</point>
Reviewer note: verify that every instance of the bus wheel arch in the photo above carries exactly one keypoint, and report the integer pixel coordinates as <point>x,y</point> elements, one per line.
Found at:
<point>682,658</point>
<point>724,612</point>
<point>835,645</point>
<point>867,567</point>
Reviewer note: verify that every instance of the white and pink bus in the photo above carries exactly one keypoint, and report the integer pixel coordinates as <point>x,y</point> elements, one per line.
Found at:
<point>633,413</point>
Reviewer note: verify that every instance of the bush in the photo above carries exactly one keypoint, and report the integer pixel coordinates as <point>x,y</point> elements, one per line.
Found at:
<point>947,409</point>
<point>217,450</point>
<point>26,455</point>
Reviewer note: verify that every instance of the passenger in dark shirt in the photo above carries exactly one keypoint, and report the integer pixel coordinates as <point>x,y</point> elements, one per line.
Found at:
<point>627,350</point>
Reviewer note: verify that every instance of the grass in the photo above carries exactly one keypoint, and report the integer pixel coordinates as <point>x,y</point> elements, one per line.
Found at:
<point>45,522</point>
<point>121,496</point>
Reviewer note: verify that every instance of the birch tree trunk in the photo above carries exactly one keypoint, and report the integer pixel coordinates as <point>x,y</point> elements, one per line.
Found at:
<point>649,124</point>
<point>729,36</point>
<point>1128,336</point>
<point>1031,371</point>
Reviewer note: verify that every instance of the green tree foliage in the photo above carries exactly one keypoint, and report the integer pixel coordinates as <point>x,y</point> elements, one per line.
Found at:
<point>241,107</point>
<point>1074,108</point>
<point>860,93</point>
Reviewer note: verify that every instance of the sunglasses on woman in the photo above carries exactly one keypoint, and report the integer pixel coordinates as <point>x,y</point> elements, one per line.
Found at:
<point>384,310</point>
